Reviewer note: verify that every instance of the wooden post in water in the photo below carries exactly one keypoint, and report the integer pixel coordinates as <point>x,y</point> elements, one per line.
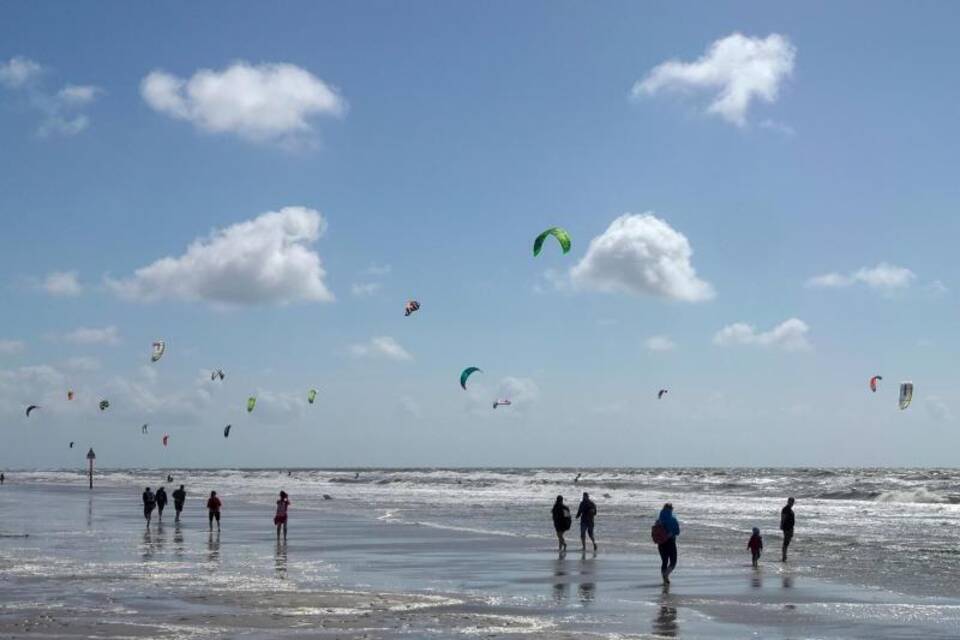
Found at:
<point>91,456</point>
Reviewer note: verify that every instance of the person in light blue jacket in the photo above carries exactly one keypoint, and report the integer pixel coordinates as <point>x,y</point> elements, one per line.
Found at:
<point>668,548</point>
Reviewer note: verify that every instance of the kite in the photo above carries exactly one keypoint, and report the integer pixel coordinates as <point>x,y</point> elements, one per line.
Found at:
<point>158,348</point>
<point>71,445</point>
<point>31,408</point>
<point>311,395</point>
<point>69,395</point>
<point>410,307</point>
<point>560,234</point>
<point>104,404</point>
<point>501,403</point>
<point>466,374</point>
<point>217,374</point>
<point>873,383</point>
<point>226,431</point>
<point>661,393</point>
<point>165,438</point>
<point>143,429</point>
<point>906,394</point>
<point>251,403</point>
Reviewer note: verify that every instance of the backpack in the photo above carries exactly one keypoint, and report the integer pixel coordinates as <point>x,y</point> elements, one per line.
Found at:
<point>659,533</point>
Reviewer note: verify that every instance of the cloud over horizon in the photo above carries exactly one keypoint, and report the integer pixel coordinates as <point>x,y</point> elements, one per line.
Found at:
<point>737,69</point>
<point>640,254</point>
<point>264,260</point>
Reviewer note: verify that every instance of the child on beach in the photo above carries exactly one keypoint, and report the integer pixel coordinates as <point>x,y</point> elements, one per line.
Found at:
<point>280,519</point>
<point>756,546</point>
<point>213,508</point>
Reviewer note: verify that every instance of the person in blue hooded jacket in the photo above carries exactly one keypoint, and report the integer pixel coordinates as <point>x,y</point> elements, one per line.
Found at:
<point>668,549</point>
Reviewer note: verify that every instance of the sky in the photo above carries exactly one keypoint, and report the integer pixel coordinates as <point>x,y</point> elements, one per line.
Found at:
<point>761,200</point>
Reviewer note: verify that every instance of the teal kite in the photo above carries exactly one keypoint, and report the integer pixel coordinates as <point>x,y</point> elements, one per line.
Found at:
<point>469,371</point>
<point>560,234</point>
<point>251,403</point>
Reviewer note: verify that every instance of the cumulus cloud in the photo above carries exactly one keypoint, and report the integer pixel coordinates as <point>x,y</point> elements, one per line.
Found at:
<point>641,254</point>
<point>60,110</point>
<point>381,347</point>
<point>264,260</point>
<point>18,71</point>
<point>361,289</point>
<point>790,335</point>
<point>659,343</point>
<point>9,347</point>
<point>378,269</point>
<point>883,277</point>
<point>89,335</point>
<point>260,103</point>
<point>736,69</point>
<point>62,283</point>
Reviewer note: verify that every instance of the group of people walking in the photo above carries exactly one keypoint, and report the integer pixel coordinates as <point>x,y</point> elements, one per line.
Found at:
<point>664,532</point>
<point>158,500</point>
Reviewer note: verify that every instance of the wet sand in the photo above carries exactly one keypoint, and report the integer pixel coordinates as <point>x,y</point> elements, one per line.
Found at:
<point>90,568</point>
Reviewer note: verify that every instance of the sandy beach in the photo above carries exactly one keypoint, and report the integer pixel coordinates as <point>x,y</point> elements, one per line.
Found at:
<point>82,564</point>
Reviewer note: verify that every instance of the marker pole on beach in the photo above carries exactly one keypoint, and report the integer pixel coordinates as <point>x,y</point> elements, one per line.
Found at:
<point>91,456</point>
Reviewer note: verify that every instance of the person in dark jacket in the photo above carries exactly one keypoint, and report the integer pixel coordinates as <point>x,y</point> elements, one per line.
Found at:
<point>161,502</point>
<point>668,548</point>
<point>786,525</point>
<point>587,513</point>
<point>149,502</point>
<point>179,497</point>
<point>561,521</point>
<point>755,545</point>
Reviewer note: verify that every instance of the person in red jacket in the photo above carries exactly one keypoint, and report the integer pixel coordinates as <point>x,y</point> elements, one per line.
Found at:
<point>756,546</point>
<point>213,509</point>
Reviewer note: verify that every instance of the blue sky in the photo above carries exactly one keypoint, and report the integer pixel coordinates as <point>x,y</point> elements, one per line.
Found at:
<point>417,149</point>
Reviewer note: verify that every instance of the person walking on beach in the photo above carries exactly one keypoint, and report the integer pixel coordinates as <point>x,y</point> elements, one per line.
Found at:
<point>786,525</point>
<point>280,519</point>
<point>586,513</point>
<point>213,509</point>
<point>756,546</point>
<point>561,521</point>
<point>179,497</point>
<point>161,498</point>
<point>149,502</point>
<point>668,546</point>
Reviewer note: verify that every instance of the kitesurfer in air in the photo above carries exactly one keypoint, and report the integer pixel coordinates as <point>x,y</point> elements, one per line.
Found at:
<point>586,514</point>
<point>786,525</point>
<point>561,521</point>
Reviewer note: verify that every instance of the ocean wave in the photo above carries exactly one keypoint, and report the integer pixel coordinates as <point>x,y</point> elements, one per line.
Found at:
<point>920,495</point>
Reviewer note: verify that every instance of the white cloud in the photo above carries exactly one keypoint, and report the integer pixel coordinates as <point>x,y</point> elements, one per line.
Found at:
<point>937,288</point>
<point>522,392</point>
<point>378,269</point>
<point>883,277</point>
<point>82,363</point>
<point>264,260</point>
<point>365,288</point>
<point>641,254</point>
<point>78,94</point>
<point>381,347</point>
<point>790,335</point>
<point>88,335</point>
<point>60,109</point>
<point>18,71</point>
<point>262,103</point>
<point>62,283</point>
<point>659,343</point>
<point>739,69</point>
<point>8,347</point>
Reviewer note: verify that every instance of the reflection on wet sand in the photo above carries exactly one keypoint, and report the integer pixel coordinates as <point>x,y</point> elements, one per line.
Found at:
<point>587,588</point>
<point>178,546</point>
<point>213,547</point>
<point>560,586</point>
<point>665,623</point>
<point>280,560</point>
<point>756,579</point>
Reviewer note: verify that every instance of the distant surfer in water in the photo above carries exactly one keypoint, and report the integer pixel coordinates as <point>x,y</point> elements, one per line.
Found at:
<point>587,513</point>
<point>786,525</point>
<point>3,479</point>
<point>561,521</point>
<point>149,502</point>
<point>577,479</point>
